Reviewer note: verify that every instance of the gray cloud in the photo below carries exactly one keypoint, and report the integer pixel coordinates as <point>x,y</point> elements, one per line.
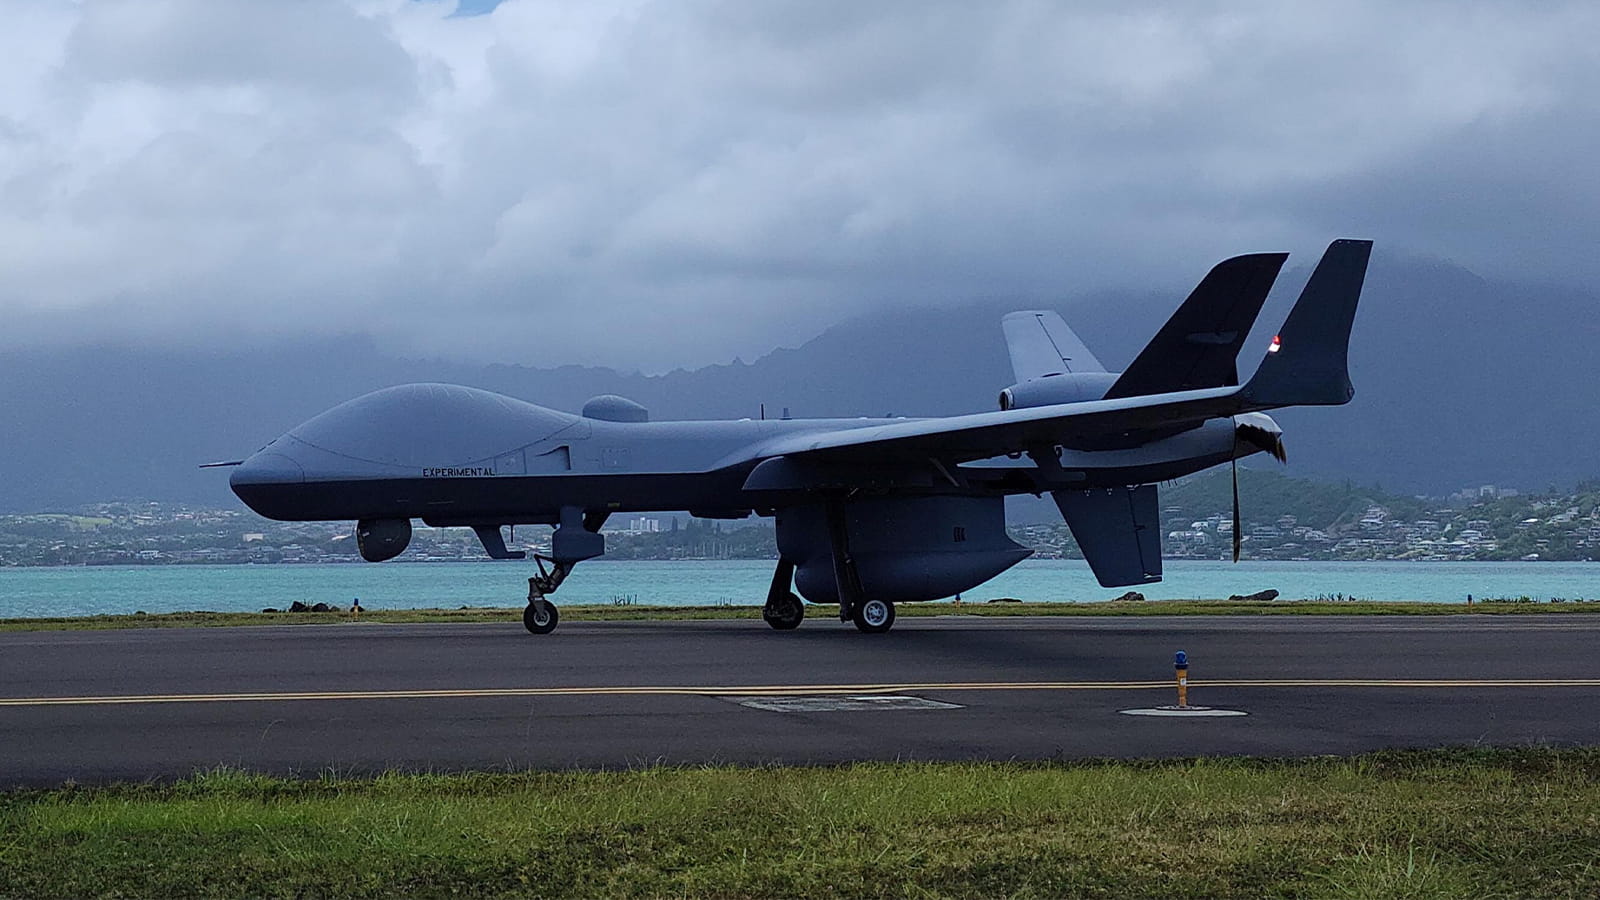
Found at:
<point>179,44</point>
<point>659,184</point>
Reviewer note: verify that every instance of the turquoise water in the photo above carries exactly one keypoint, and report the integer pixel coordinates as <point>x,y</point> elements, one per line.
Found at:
<point>126,589</point>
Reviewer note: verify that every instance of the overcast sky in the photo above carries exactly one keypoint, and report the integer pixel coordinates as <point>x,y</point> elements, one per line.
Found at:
<point>654,184</point>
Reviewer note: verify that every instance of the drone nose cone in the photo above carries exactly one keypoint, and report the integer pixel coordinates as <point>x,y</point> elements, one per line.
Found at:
<point>265,483</point>
<point>265,469</point>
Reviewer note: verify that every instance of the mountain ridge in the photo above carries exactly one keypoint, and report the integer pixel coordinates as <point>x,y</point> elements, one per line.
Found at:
<point>1459,380</point>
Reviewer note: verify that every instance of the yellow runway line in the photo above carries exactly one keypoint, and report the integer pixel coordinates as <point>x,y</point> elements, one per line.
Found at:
<point>793,690</point>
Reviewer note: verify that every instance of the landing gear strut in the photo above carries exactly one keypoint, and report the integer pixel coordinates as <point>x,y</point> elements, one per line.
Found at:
<point>541,616</point>
<point>784,610</point>
<point>576,538</point>
<point>871,616</point>
<point>845,577</point>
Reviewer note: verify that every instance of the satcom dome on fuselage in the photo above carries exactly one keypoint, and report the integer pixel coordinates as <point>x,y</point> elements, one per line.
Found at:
<point>612,408</point>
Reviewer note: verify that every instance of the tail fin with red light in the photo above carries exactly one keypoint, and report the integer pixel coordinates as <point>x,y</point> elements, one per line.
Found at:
<point>1308,363</point>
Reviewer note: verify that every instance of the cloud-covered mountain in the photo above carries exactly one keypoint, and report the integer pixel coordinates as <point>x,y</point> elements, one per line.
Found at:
<point>1459,381</point>
<point>570,181</point>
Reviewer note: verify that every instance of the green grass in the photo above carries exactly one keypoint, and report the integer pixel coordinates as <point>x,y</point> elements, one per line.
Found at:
<point>608,613</point>
<point>1508,823</point>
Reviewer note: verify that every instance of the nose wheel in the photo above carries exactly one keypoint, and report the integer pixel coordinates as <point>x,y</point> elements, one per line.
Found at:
<point>540,617</point>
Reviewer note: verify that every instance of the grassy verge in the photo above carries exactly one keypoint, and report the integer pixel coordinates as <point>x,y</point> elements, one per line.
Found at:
<point>607,613</point>
<point>1423,824</point>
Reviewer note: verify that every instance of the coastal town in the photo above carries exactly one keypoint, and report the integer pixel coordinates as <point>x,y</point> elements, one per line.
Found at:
<point>1284,518</point>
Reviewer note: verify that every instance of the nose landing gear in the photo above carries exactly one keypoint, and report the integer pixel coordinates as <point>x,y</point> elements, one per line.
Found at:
<point>576,538</point>
<point>541,616</point>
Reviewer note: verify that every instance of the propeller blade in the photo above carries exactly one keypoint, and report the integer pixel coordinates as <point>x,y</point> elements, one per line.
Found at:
<point>218,465</point>
<point>1238,526</point>
<point>1267,441</point>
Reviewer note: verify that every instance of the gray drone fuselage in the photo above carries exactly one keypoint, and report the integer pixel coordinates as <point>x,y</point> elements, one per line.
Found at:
<point>453,455</point>
<point>901,509</point>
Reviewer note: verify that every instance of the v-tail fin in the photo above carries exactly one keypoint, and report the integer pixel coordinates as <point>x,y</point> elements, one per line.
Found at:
<point>1308,363</point>
<point>1041,345</point>
<point>1199,346</point>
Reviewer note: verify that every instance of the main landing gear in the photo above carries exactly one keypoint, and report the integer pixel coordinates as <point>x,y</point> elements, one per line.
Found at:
<point>870,615</point>
<point>784,609</point>
<point>873,616</point>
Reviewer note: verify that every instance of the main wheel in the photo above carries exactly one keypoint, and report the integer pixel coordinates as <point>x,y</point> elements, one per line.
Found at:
<point>873,616</point>
<point>541,617</point>
<point>784,613</point>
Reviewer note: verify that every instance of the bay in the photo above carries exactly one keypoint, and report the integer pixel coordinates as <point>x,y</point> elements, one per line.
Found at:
<point>93,590</point>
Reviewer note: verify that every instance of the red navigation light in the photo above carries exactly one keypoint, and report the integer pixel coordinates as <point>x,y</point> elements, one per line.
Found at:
<point>1277,344</point>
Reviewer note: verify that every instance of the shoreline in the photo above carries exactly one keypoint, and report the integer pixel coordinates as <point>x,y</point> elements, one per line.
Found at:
<point>643,613</point>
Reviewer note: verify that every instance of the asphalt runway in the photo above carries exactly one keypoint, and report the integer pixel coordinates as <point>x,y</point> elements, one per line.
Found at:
<point>93,706</point>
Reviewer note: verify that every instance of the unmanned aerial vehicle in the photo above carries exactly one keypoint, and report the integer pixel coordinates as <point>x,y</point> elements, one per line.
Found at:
<point>869,512</point>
